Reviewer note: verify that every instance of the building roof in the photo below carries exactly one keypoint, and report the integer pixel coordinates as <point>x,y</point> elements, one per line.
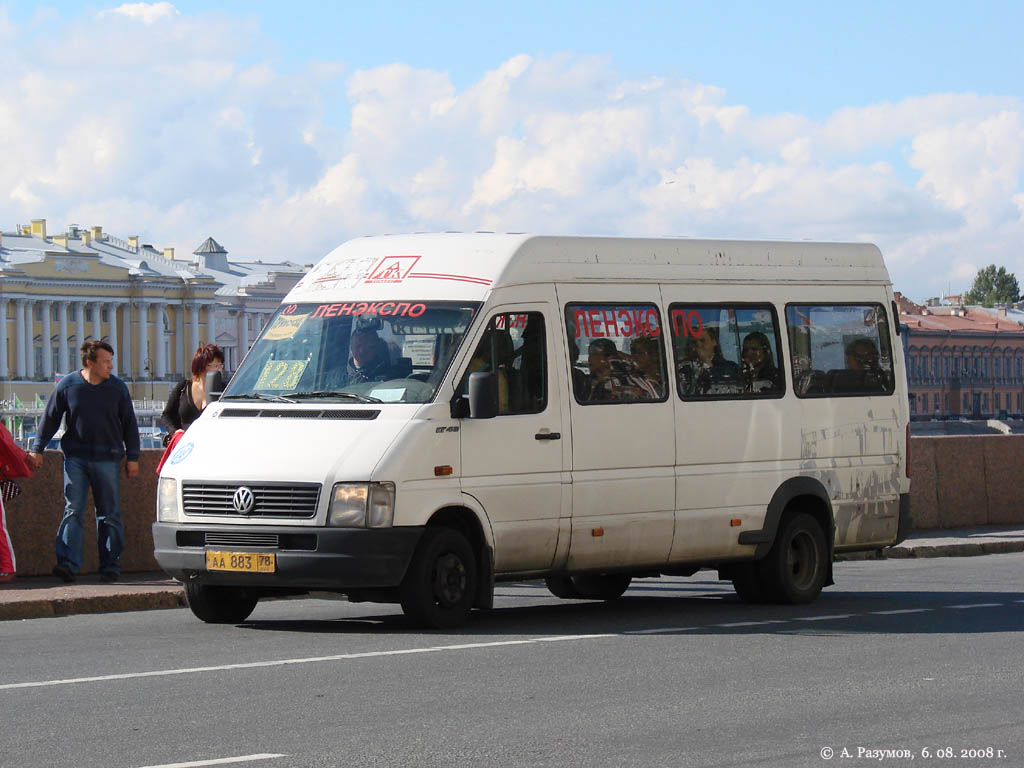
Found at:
<point>211,263</point>
<point>209,245</point>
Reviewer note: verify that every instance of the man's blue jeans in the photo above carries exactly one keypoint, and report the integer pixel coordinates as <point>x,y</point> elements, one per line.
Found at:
<point>104,477</point>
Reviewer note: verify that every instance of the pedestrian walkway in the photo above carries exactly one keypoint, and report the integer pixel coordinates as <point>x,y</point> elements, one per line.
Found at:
<point>46,596</point>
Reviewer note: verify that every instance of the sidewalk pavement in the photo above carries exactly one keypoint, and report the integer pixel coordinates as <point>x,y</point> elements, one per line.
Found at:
<point>46,596</point>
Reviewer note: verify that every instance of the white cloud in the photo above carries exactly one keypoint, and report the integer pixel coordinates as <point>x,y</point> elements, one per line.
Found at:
<point>149,121</point>
<point>147,13</point>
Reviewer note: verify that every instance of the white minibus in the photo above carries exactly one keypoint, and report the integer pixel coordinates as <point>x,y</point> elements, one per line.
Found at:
<point>426,415</point>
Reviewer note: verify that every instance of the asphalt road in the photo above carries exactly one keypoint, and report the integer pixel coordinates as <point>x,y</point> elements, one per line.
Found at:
<point>899,655</point>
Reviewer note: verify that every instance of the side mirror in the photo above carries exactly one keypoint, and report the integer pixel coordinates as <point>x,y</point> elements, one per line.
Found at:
<point>214,386</point>
<point>483,395</point>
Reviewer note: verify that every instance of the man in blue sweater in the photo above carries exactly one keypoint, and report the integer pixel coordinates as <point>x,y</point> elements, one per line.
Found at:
<point>100,431</point>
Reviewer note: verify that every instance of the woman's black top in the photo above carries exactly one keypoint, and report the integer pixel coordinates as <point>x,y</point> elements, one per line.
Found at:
<point>180,411</point>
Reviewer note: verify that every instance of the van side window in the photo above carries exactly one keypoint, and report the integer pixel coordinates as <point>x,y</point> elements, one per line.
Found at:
<point>616,353</point>
<point>840,349</point>
<point>726,351</point>
<point>514,348</point>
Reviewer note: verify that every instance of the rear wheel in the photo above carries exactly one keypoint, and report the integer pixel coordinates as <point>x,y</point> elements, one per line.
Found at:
<point>219,605</point>
<point>440,585</point>
<point>601,586</point>
<point>795,569</point>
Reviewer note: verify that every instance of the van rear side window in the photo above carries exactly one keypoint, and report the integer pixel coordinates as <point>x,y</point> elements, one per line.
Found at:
<point>840,350</point>
<point>726,351</point>
<point>616,354</point>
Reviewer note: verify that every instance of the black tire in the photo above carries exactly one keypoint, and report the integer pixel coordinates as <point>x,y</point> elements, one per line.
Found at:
<point>440,586</point>
<point>795,569</point>
<point>563,587</point>
<point>601,586</point>
<point>747,583</point>
<point>219,605</point>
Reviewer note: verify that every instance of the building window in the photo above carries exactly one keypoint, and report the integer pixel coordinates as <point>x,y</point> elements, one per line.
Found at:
<point>945,402</point>
<point>37,312</point>
<point>105,315</point>
<point>924,402</point>
<point>967,403</point>
<point>984,402</point>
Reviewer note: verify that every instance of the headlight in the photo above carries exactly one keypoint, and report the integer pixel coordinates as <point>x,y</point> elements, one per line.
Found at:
<point>167,500</point>
<point>362,505</point>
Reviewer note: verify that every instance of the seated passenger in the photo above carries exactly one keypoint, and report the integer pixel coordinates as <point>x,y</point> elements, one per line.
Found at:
<point>646,356</point>
<point>705,371</point>
<point>613,377</point>
<point>862,362</point>
<point>760,373</point>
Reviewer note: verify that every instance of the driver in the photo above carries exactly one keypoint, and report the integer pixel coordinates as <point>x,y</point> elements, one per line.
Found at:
<point>369,359</point>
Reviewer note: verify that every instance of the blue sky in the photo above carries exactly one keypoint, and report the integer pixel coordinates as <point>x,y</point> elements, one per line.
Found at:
<point>901,123</point>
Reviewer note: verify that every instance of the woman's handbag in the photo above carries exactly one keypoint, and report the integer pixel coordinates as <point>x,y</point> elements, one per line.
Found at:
<point>169,449</point>
<point>9,490</point>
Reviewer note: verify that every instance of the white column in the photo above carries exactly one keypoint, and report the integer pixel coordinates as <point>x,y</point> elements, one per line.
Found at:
<point>30,339</point>
<point>3,338</point>
<point>97,327</point>
<point>126,345</point>
<point>113,335</point>
<point>19,332</point>
<point>80,320</point>
<point>62,342</point>
<point>47,343</point>
<point>161,356</point>
<point>143,353</point>
<point>194,309</point>
<point>179,341</point>
<point>243,335</point>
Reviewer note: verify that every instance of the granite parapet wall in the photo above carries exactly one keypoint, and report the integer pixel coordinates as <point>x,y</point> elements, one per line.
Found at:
<point>33,517</point>
<point>956,481</point>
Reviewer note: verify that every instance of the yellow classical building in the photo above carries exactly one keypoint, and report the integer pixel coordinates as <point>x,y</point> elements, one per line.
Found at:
<point>58,291</point>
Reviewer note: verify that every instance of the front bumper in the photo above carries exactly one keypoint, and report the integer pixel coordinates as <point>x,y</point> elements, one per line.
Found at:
<point>329,558</point>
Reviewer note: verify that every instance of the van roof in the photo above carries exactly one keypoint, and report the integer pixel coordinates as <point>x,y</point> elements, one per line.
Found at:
<point>468,266</point>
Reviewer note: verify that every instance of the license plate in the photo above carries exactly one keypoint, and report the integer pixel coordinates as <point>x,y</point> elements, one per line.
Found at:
<point>246,562</point>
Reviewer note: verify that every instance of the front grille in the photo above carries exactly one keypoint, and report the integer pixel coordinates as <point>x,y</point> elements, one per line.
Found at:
<point>295,413</point>
<point>302,541</point>
<point>241,539</point>
<point>270,499</point>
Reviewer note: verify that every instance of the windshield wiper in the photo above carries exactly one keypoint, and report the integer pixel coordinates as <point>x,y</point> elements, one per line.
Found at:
<point>259,396</point>
<point>336,393</point>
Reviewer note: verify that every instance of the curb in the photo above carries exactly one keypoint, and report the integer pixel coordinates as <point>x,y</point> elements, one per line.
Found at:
<point>40,609</point>
<point>936,550</point>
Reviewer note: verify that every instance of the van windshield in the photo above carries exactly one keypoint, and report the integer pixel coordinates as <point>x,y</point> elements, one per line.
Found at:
<point>373,352</point>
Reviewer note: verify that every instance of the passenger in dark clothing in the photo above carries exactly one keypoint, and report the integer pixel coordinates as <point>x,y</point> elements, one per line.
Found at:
<point>705,371</point>
<point>760,374</point>
<point>100,431</point>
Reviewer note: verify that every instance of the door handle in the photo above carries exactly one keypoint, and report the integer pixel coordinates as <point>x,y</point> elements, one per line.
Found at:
<point>548,436</point>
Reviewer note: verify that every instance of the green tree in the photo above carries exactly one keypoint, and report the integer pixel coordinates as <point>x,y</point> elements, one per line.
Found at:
<point>993,286</point>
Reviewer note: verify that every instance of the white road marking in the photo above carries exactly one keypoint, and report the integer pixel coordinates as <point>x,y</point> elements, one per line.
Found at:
<point>899,611</point>
<point>824,618</point>
<point>977,605</point>
<point>732,624</point>
<point>658,630</point>
<point>218,761</point>
<point>307,660</point>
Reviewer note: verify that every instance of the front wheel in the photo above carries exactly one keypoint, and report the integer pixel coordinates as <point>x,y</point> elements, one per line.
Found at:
<point>440,586</point>
<point>795,569</point>
<point>219,605</point>
<point>601,586</point>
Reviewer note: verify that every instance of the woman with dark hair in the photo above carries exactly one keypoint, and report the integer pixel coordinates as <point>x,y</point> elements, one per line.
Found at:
<point>760,374</point>
<point>188,399</point>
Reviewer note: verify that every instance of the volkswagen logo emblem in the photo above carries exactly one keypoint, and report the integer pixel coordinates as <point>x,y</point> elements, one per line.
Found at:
<point>243,501</point>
